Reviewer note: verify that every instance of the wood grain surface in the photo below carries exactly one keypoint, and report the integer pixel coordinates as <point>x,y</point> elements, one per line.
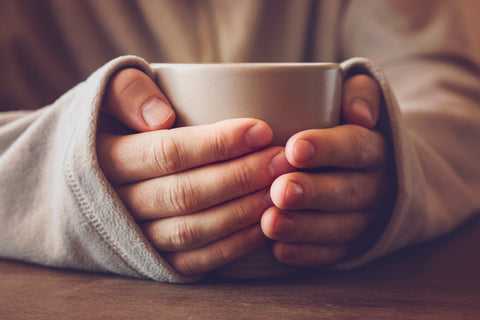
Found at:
<point>437,280</point>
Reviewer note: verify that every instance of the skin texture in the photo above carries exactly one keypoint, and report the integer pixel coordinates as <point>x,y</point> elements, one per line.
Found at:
<point>207,195</point>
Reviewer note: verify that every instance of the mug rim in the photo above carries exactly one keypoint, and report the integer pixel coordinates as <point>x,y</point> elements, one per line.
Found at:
<point>246,65</point>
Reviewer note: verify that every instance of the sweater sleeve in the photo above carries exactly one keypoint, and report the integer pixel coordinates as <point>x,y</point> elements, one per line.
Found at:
<point>56,207</point>
<point>430,80</point>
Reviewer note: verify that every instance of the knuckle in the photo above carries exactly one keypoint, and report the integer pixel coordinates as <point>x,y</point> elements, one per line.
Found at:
<point>365,81</point>
<point>244,177</point>
<point>361,147</point>
<point>348,228</point>
<point>245,214</point>
<point>180,196</point>
<point>182,235</point>
<point>188,265</point>
<point>351,193</point>
<point>220,145</point>
<point>221,256</point>
<point>126,78</point>
<point>166,155</point>
<point>329,192</point>
<point>329,150</point>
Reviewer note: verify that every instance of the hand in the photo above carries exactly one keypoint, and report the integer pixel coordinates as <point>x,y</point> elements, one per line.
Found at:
<point>198,193</point>
<point>321,215</point>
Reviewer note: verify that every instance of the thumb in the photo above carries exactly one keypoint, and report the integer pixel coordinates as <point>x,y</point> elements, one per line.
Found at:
<point>134,99</point>
<point>361,101</point>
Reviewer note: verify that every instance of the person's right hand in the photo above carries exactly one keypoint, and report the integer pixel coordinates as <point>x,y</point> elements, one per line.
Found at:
<point>198,193</point>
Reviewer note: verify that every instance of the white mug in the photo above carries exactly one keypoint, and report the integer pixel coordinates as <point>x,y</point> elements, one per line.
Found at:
<point>290,97</point>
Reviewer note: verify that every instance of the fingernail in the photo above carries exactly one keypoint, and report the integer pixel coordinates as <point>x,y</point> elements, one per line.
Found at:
<point>293,194</point>
<point>258,136</point>
<point>283,224</point>
<point>155,112</point>
<point>303,151</point>
<point>363,108</point>
<point>279,165</point>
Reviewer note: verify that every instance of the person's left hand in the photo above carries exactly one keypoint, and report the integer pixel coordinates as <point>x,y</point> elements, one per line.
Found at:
<point>322,212</point>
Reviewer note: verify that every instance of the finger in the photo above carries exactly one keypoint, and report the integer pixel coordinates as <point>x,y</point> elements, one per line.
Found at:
<point>313,226</point>
<point>308,255</point>
<point>147,155</point>
<point>136,101</point>
<point>192,231</point>
<point>346,146</point>
<point>217,254</point>
<point>197,189</point>
<point>361,98</point>
<point>328,191</point>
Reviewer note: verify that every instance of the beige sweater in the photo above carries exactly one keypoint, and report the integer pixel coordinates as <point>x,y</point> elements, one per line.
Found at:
<point>56,207</point>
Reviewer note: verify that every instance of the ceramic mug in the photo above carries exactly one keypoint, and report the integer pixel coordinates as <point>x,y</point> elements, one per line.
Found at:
<point>290,97</point>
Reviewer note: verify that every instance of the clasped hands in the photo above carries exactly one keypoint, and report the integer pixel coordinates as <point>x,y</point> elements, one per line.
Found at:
<point>207,195</point>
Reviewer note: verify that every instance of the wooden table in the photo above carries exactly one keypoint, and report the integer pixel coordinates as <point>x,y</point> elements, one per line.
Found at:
<point>438,280</point>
